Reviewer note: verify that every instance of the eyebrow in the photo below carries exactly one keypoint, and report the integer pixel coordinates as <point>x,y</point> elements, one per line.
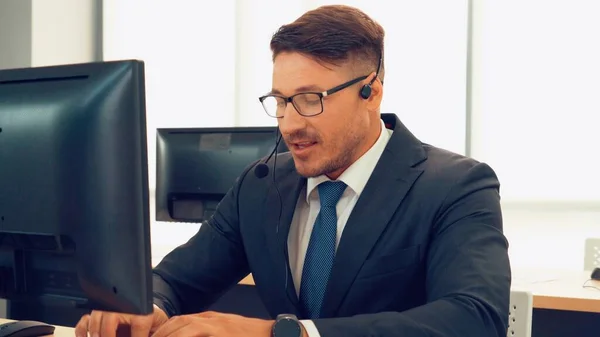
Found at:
<point>305,88</point>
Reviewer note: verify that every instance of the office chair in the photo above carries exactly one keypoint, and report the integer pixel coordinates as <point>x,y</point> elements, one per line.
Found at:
<point>591,257</point>
<point>520,314</point>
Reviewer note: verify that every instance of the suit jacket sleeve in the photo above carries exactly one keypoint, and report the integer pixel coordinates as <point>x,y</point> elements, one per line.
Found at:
<point>196,274</point>
<point>467,275</point>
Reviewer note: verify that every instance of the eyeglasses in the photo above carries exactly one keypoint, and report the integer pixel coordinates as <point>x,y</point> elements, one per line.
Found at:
<point>307,104</point>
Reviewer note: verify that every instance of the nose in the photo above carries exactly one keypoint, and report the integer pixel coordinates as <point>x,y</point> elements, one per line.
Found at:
<point>291,121</point>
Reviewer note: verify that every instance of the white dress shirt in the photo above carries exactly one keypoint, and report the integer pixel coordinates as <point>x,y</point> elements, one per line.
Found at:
<point>308,206</point>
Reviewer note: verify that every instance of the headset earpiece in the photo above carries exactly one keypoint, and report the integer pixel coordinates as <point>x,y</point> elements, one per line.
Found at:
<point>365,91</point>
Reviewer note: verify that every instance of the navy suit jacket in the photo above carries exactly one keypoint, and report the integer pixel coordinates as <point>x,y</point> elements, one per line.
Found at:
<point>422,254</point>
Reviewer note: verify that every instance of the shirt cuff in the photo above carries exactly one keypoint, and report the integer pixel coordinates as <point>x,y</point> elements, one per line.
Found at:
<point>311,328</point>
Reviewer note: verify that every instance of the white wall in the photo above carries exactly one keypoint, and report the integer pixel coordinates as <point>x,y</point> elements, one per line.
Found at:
<point>536,97</point>
<point>535,107</point>
<point>189,53</point>
<point>550,235</point>
<point>15,34</point>
<point>256,22</point>
<point>43,32</point>
<point>64,31</point>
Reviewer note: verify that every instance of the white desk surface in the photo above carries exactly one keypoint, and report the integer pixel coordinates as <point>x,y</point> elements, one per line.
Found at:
<point>559,289</point>
<point>59,331</point>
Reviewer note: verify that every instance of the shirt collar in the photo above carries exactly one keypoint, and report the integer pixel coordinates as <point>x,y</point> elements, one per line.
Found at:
<point>357,175</point>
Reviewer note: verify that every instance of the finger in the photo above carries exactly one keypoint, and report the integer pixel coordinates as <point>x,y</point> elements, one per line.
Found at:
<point>81,329</point>
<point>109,325</point>
<point>141,326</point>
<point>94,323</point>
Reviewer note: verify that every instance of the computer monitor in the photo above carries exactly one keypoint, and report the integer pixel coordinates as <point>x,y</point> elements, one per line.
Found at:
<point>74,204</point>
<point>197,166</point>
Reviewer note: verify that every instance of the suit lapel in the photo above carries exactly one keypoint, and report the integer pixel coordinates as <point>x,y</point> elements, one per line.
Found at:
<point>373,211</point>
<point>277,227</point>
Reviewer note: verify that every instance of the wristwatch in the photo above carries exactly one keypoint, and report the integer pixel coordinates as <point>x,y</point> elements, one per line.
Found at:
<point>286,325</point>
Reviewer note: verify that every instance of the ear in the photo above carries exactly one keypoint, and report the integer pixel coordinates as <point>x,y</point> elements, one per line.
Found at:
<point>374,101</point>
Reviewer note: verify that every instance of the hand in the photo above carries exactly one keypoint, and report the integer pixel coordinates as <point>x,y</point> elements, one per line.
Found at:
<point>110,324</point>
<point>214,324</point>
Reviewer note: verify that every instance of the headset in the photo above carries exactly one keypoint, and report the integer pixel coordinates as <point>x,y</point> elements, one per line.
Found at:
<point>262,169</point>
<point>365,91</point>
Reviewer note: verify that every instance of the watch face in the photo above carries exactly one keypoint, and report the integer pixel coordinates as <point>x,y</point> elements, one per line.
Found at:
<point>287,327</point>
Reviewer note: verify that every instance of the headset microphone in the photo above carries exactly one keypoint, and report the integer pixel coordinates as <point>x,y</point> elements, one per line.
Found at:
<point>262,170</point>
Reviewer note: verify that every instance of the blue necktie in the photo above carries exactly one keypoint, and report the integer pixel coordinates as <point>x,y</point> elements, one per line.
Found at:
<point>321,250</point>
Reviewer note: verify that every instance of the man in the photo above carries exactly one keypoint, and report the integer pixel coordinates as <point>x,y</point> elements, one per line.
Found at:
<point>360,230</point>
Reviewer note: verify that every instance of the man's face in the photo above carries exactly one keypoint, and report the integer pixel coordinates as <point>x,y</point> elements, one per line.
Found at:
<point>329,142</point>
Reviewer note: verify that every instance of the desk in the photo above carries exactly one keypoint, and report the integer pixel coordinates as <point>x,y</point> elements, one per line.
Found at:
<point>60,331</point>
<point>560,290</point>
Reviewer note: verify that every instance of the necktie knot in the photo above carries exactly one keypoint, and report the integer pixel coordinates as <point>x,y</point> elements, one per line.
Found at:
<point>330,192</point>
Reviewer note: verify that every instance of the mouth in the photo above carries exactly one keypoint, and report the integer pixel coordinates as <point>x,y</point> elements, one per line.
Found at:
<point>301,147</point>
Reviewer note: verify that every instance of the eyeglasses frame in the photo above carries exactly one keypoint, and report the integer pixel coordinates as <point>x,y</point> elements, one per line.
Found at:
<point>321,95</point>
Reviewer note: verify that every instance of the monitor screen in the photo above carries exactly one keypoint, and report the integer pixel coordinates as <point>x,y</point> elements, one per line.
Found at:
<point>74,200</point>
<point>197,166</point>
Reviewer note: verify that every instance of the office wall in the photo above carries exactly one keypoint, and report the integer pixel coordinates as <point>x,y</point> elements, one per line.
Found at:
<point>535,104</point>
<point>65,31</point>
<point>15,34</point>
<point>189,58</point>
<point>536,84</point>
<point>549,235</point>
<point>41,32</point>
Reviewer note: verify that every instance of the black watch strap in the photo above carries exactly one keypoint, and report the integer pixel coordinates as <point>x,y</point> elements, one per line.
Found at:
<point>286,325</point>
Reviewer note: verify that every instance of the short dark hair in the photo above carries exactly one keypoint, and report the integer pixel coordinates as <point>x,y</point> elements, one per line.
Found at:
<point>333,34</point>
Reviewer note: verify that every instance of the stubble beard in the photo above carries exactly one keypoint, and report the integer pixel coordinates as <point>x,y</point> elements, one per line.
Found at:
<point>342,156</point>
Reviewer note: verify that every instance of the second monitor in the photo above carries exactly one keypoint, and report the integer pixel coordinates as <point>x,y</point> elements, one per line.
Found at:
<point>197,166</point>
